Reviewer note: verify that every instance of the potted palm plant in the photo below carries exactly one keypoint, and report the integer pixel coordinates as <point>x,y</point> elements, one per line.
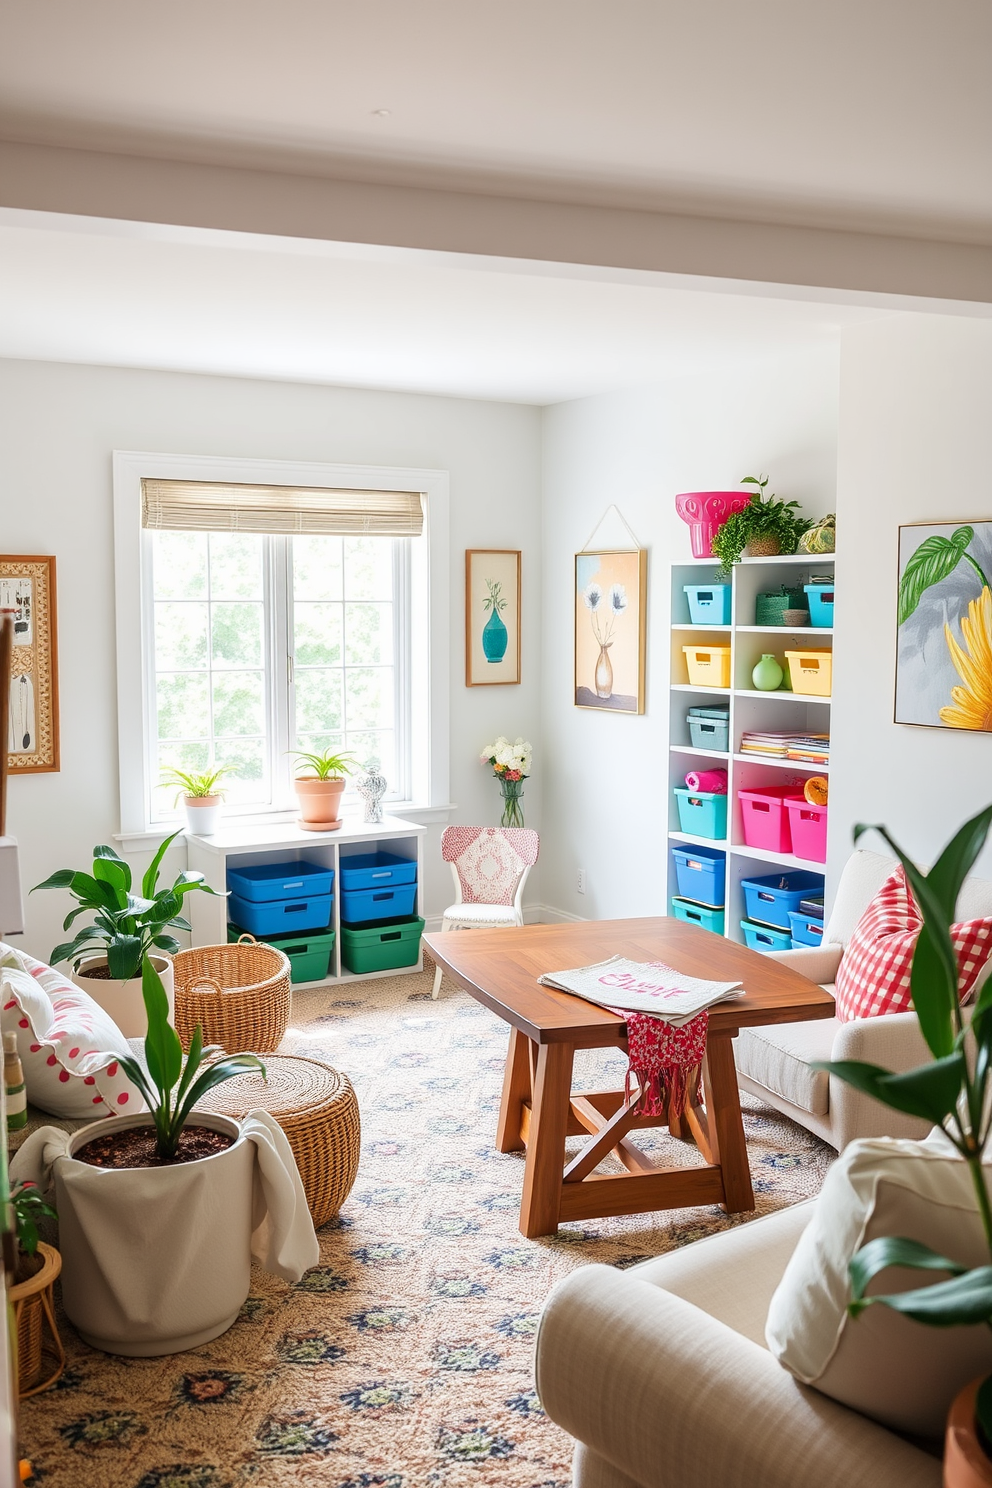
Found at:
<point>202,799</point>
<point>761,529</point>
<point>107,955</point>
<point>320,790</point>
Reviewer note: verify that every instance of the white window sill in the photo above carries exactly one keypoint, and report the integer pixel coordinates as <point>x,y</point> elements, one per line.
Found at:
<point>152,836</point>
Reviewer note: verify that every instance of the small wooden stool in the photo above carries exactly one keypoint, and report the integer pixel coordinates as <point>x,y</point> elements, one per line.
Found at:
<point>317,1108</point>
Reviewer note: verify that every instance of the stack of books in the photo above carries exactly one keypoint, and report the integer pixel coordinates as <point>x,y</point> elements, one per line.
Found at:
<point>808,748</point>
<point>814,749</point>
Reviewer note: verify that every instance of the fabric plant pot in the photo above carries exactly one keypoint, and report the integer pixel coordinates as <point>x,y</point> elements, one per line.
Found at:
<point>203,814</point>
<point>123,1000</point>
<point>320,802</point>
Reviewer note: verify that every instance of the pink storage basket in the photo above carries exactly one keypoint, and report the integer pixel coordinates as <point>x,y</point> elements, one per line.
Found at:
<point>765,819</point>
<point>809,829</point>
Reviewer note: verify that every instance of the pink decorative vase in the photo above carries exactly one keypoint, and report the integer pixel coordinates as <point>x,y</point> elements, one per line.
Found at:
<point>705,511</point>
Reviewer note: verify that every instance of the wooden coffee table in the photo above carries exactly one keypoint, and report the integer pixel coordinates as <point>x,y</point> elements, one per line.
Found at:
<point>539,1109</point>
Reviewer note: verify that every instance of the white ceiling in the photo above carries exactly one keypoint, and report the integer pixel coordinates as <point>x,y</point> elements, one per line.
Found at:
<point>870,112</point>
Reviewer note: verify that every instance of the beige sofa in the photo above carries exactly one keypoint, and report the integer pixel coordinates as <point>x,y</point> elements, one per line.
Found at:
<point>774,1063</point>
<point>662,1377</point>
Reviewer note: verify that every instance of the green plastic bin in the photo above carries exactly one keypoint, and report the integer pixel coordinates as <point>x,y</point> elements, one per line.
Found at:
<point>309,952</point>
<point>382,947</point>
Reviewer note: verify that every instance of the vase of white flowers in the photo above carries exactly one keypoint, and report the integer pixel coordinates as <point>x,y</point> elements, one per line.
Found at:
<point>511,765</point>
<point>604,612</point>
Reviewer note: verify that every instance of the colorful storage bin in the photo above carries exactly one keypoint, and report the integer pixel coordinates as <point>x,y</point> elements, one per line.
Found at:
<point>698,914</point>
<point>709,604</point>
<point>769,609</point>
<point>309,955</point>
<point>263,882</point>
<point>708,666</point>
<point>376,870</point>
<point>821,603</point>
<point>805,931</point>
<point>771,898</point>
<point>282,916</point>
<point>762,938</point>
<point>701,874</point>
<point>811,672</point>
<point>764,818</point>
<point>381,947</point>
<point>808,825</point>
<point>709,728</point>
<point>702,813</point>
<point>362,906</point>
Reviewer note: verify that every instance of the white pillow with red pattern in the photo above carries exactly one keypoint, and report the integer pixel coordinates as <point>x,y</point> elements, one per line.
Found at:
<point>69,1047</point>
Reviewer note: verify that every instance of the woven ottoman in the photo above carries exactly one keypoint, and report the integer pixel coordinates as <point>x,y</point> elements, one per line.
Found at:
<point>317,1108</point>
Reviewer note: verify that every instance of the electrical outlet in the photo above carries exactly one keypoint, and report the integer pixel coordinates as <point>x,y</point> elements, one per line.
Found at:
<point>580,883</point>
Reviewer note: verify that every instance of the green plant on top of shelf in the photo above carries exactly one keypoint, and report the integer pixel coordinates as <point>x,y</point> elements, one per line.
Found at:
<point>765,519</point>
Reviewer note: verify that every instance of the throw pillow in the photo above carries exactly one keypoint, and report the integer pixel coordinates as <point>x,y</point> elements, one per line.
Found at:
<point>873,976</point>
<point>69,1047</point>
<point>899,1372</point>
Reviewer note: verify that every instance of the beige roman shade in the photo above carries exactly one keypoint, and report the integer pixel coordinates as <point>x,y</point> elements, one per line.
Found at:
<point>213,506</point>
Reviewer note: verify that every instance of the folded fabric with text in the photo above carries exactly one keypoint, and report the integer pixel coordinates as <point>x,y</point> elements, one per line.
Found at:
<point>642,987</point>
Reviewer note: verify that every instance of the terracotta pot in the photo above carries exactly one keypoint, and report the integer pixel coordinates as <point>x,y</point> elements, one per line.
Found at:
<point>40,1361</point>
<point>203,814</point>
<point>123,1000</point>
<point>763,547</point>
<point>319,802</point>
<point>965,1463</point>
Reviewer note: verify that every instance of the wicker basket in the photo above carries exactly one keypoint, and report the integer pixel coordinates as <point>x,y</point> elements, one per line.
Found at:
<point>240,993</point>
<point>40,1360</point>
<point>317,1108</point>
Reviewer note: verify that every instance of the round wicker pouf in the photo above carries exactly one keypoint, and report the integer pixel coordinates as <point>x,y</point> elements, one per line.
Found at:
<point>317,1108</point>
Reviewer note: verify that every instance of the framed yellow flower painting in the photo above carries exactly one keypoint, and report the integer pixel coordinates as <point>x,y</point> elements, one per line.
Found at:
<point>944,651</point>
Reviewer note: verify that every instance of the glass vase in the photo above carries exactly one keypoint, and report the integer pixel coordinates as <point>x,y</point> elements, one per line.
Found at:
<point>513,815</point>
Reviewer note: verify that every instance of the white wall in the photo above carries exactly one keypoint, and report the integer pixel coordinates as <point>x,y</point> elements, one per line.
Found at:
<point>606,775</point>
<point>58,427</point>
<point>915,445</point>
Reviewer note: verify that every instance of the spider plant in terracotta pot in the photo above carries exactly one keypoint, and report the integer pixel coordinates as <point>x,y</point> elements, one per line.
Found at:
<point>320,790</point>
<point>201,796</point>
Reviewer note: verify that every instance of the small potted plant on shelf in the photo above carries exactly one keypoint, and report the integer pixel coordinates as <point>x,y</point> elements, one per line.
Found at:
<point>320,792</point>
<point>763,528</point>
<point>36,1270</point>
<point>107,955</point>
<point>202,799</point>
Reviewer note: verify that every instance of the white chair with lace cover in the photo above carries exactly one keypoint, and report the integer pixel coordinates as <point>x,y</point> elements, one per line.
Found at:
<point>490,867</point>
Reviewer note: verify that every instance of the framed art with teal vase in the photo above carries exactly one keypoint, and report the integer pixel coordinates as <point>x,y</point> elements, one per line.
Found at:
<point>492,617</point>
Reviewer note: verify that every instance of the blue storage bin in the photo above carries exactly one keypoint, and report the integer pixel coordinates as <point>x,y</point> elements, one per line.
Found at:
<point>263,882</point>
<point>709,733</point>
<point>281,916</point>
<point>376,871</point>
<point>764,938</point>
<point>709,604</point>
<point>702,813</point>
<point>821,603</point>
<point>361,906</point>
<point>698,914</point>
<point>771,898</point>
<point>701,873</point>
<point>805,930</point>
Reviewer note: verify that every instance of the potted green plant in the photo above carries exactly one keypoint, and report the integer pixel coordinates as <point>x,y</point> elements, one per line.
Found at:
<point>202,799</point>
<point>953,1091</point>
<point>761,529</point>
<point>320,790</point>
<point>36,1270</point>
<point>107,955</point>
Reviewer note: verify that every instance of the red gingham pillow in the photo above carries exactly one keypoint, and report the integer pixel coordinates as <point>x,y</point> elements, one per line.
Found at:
<point>873,976</point>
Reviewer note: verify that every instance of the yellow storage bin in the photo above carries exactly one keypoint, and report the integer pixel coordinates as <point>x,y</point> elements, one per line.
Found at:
<point>811,672</point>
<point>708,666</point>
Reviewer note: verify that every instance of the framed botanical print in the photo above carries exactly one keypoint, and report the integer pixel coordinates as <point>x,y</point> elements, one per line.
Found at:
<point>944,639</point>
<point>610,627</point>
<point>27,594</point>
<point>492,617</point>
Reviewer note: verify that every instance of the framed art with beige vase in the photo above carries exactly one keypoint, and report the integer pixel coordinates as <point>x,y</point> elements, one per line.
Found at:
<point>27,594</point>
<point>610,628</point>
<point>492,617</point>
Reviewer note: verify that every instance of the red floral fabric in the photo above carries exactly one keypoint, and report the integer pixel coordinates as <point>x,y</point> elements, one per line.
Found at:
<point>663,1059</point>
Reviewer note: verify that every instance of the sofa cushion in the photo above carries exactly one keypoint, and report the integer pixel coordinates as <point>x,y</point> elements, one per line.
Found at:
<point>779,1058</point>
<point>897,1371</point>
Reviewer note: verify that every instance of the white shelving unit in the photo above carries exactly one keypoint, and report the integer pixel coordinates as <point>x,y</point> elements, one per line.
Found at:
<point>242,847</point>
<point>749,709</point>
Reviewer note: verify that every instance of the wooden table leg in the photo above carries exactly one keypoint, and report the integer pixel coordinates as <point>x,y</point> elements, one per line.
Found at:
<point>516,1090</point>
<point>725,1126</point>
<point>540,1203</point>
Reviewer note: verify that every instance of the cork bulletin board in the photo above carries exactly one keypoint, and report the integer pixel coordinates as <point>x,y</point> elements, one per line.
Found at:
<point>27,594</point>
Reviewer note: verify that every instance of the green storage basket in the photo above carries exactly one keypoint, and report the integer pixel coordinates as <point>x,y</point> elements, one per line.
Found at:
<point>769,609</point>
<point>309,953</point>
<point>382,947</point>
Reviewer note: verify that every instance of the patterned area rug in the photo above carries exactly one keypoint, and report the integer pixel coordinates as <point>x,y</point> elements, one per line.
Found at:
<point>404,1359</point>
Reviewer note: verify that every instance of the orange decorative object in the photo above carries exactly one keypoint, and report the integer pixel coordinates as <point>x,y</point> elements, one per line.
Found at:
<point>816,790</point>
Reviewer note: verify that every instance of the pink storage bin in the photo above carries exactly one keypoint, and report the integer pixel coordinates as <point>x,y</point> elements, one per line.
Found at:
<point>809,829</point>
<point>764,817</point>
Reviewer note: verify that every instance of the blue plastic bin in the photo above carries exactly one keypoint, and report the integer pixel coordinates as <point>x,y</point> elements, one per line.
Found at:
<point>709,604</point>
<point>821,603</point>
<point>698,914</point>
<point>282,916</point>
<point>805,930</point>
<point>701,873</point>
<point>709,733</point>
<point>764,938</point>
<point>376,870</point>
<point>286,880</point>
<point>702,813</point>
<point>772,898</point>
<point>362,906</point>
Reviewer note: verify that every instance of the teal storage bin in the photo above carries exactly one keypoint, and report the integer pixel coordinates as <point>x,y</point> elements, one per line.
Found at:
<point>821,604</point>
<point>702,813</point>
<point>764,938</point>
<point>709,604</point>
<point>698,914</point>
